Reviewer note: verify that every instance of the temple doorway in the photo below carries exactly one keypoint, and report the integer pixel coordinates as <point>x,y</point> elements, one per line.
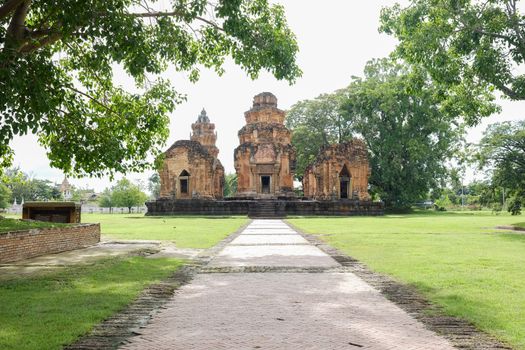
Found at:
<point>184,186</point>
<point>184,179</point>
<point>344,183</point>
<point>265,183</point>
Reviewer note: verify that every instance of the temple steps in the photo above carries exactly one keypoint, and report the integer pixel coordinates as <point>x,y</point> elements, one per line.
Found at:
<point>266,209</point>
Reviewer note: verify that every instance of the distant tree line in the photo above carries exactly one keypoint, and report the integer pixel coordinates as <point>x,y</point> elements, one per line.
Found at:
<point>124,194</point>
<point>501,156</point>
<point>501,153</point>
<point>20,186</point>
<point>17,185</point>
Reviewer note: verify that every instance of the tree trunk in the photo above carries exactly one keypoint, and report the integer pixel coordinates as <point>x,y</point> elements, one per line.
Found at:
<point>16,29</point>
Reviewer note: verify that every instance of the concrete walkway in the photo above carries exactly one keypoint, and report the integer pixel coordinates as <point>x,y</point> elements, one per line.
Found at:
<point>317,306</point>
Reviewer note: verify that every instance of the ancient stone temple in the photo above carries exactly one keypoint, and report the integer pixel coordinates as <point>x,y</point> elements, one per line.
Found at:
<point>335,184</point>
<point>191,168</point>
<point>265,158</point>
<point>340,171</point>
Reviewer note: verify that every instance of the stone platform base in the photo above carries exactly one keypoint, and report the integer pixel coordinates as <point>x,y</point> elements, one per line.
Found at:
<point>264,208</point>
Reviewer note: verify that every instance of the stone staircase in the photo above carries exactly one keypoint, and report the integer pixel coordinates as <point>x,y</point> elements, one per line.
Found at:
<point>267,209</point>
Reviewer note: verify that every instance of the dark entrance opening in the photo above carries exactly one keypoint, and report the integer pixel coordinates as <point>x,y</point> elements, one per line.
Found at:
<point>184,179</point>
<point>344,189</point>
<point>265,184</point>
<point>344,182</point>
<point>184,186</point>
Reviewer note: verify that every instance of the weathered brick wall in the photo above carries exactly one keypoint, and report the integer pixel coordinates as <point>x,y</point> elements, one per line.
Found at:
<point>322,179</point>
<point>206,173</point>
<point>196,207</point>
<point>19,245</point>
<point>243,207</point>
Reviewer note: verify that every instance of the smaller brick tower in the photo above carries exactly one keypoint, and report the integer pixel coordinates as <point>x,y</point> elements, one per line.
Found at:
<point>204,133</point>
<point>191,168</point>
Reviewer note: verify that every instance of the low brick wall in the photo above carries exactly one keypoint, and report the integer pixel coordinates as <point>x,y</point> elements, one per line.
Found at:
<point>197,207</point>
<point>344,207</point>
<point>19,245</point>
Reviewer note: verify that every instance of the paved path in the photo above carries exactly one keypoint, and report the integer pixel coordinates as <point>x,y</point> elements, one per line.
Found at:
<point>325,309</point>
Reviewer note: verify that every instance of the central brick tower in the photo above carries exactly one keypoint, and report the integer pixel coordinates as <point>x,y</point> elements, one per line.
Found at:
<point>265,159</point>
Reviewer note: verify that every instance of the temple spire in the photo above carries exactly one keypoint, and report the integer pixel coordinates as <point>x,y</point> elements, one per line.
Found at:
<point>203,117</point>
<point>204,133</point>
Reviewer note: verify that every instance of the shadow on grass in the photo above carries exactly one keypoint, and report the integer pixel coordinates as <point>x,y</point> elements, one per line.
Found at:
<point>51,310</point>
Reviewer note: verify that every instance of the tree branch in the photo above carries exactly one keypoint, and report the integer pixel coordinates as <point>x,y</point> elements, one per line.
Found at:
<point>514,20</point>
<point>39,33</point>
<point>495,35</point>
<point>16,29</point>
<point>173,14</point>
<point>156,14</point>
<point>216,26</point>
<point>508,91</point>
<point>36,44</point>
<point>92,99</point>
<point>23,41</point>
<point>9,7</point>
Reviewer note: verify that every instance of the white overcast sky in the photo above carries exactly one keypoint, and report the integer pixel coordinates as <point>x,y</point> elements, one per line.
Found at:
<point>336,38</point>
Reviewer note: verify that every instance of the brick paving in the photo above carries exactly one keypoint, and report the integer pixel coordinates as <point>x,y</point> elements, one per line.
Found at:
<point>322,309</point>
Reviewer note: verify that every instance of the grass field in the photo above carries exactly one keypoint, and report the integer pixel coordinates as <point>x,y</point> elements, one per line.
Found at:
<point>11,224</point>
<point>186,232</point>
<point>48,311</point>
<point>53,309</point>
<point>458,260</point>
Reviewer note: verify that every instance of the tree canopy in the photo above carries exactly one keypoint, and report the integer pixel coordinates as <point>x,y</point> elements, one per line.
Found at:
<point>317,123</point>
<point>127,194</point>
<point>411,125</point>
<point>5,195</point>
<point>105,200</point>
<point>23,186</point>
<point>154,185</point>
<point>502,152</point>
<point>408,128</point>
<point>471,46</point>
<point>230,185</point>
<point>57,62</point>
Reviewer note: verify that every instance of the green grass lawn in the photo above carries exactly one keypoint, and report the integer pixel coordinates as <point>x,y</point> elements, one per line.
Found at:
<point>51,310</point>
<point>458,260</point>
<point>12,224</point>
<point>186,232</point>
